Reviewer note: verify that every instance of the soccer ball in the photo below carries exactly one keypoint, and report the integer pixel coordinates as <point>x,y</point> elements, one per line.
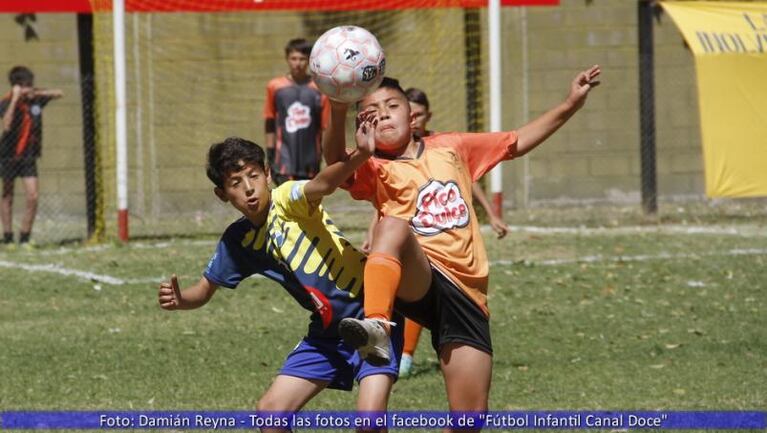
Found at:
<point>347,63</point>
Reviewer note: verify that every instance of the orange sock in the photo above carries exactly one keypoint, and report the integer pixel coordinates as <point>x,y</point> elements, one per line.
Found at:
<point>412,334</point>
<point>382,275</point>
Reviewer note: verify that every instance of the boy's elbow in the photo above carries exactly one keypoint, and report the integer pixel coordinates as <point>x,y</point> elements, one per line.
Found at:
<point>333,155</point>
<point>326,188</point>
<point>320,187</point>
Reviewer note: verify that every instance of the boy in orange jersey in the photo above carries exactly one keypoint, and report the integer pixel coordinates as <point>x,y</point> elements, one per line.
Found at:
<point>421,115</point>
<point>427,252</point>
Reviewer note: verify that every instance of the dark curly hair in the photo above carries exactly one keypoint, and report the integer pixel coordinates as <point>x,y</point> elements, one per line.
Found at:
<point>230,156</point>
<point>418,96</point>
<point>21,75</point>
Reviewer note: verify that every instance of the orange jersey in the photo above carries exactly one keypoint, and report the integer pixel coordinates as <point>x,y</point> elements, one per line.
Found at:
<point>433,193</point>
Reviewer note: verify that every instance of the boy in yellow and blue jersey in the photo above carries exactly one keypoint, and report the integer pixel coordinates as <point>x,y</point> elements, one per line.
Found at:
<point>286,235</point>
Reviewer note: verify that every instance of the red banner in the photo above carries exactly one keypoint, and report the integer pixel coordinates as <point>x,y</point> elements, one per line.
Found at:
<point>41,6</point>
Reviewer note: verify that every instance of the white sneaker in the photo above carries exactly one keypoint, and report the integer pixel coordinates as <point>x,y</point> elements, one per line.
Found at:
<point>405,365</point>
<point>369,337</point>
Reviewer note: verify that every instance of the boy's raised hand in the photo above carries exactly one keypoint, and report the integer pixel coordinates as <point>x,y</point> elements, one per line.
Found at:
<point>169,295</point>
<point>582,84</point>
<point>365,135</point>
<point>500,228</point>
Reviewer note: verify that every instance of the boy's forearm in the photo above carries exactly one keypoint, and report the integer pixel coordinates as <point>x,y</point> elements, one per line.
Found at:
<point>49,93</point>
<point>541,128</point>
<point>271,140</point>
<point>334,141</point>
<point>270,129</point>
<point>479,195</point>
<point>8,116</point>
<point>334,175</point>
<point>196,296</point>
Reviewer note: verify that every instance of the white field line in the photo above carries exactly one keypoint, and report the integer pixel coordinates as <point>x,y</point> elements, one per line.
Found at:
<point>56,269</point>
<point>661,229</point>
<point>637,258</point>
<point>664,229</point>
<point>742,231</point>
<point>738,230</point>
<point>104,247</point>
<point>115,281</point>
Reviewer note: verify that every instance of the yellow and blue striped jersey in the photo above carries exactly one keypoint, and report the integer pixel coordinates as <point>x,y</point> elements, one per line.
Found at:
<point>300,247</point>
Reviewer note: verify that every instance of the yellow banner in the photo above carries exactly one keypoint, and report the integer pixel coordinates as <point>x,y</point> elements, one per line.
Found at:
<point>729,41</point>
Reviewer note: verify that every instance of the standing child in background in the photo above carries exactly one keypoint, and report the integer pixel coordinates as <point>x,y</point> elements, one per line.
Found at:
<point>427,252</point>
<point>21,146</point>
<point>421,115</point>
<point>419,109</point>
<point>286,236</point>
<point>295,113</point>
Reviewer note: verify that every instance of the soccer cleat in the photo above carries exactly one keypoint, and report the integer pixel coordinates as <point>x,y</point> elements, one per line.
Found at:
<point>405,365</point>
<point>369,337</point>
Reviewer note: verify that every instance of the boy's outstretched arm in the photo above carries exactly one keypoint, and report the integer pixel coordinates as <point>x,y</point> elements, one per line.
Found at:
<point>172,298</point>
<point>499,227</point>
<point>334,141</point>
<point>47,93</point>
<point>337,172</point>
<point>538,130</point>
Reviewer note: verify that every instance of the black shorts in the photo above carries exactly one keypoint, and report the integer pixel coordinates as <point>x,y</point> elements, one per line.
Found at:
<point>11,168</point>
<point>450,315</point>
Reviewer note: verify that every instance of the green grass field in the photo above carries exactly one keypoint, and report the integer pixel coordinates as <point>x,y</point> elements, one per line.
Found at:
<point>597,309</point>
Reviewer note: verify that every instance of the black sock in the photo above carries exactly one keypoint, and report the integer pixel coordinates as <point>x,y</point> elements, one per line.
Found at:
<point>24,237</point>
<point>8,237</point>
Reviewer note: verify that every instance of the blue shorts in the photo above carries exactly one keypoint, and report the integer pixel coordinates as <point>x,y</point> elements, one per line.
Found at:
<point>329,359</point>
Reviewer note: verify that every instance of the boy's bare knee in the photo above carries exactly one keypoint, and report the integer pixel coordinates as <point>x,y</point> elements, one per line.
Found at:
<point>469,403</point>
<point>391,234</point>
<point>392,225</point>
<point>269,403</point>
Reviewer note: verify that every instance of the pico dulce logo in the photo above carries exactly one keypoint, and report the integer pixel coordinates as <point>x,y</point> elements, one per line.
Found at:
<point>440,207</point>
<point>299,117</point>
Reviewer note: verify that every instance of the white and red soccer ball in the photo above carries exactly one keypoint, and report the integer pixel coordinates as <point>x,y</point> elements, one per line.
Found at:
<point>347,63</point>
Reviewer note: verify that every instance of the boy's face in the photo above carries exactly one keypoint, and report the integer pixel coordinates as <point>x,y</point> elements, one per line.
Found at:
<point>26,88</point>
<point>420,116</point>
<point>298,63</point>
<point>394,119</point>
<point>248,191</point>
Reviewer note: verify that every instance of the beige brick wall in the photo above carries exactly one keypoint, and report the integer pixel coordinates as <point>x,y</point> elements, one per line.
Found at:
<point>565,39</point>
<point>203,78</point>
<point>197,78</point>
